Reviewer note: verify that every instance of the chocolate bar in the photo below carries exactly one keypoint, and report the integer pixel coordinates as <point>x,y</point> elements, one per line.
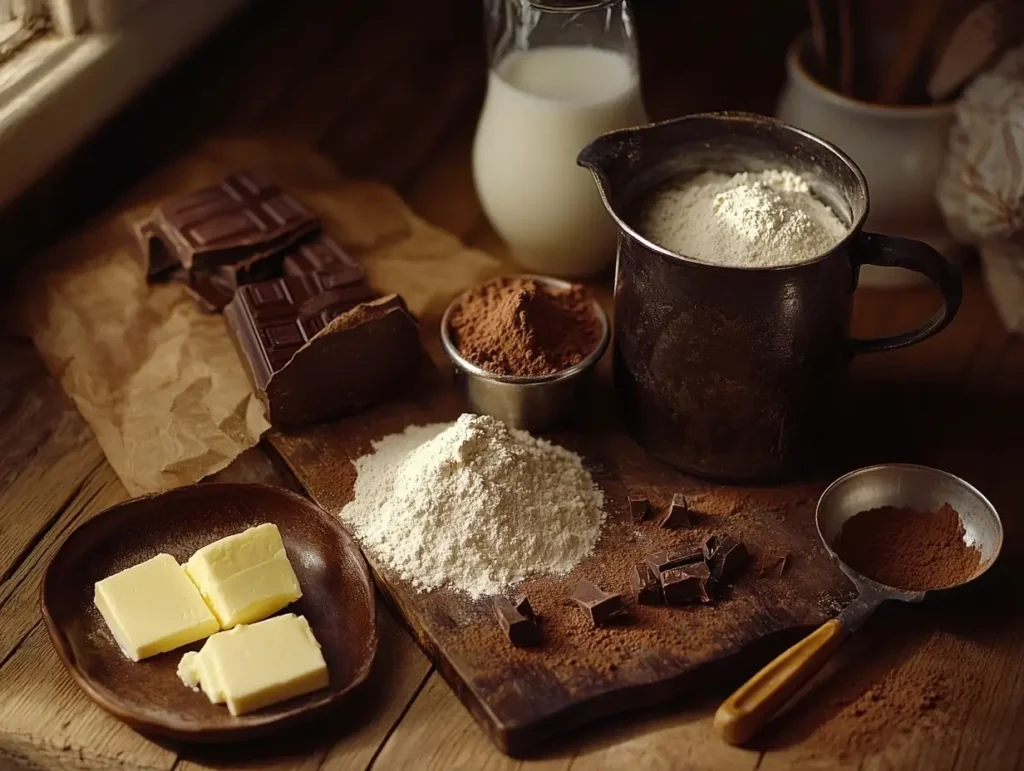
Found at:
<point>521,629</point>
<point>322,255</point>
<point>239,221</point>
<point>685,584</point>
<point>601,607</point>
<point>210,291</point>
<point>638,507</point>
<point>725,556</point>
<point>645,585</point>
<point>678,514</point>
<point>315,353</point>
<point>673,558</point>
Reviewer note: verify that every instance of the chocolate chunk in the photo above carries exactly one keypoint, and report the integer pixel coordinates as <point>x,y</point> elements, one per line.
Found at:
<point>725,556</point>
<point>522,605</point>
<point>601,607</point>
<point>685,584</point>
<point>673,558</point>
<point>638,507</point>
<point>239,221</point>
<point>678,514</point>
<point>645,585</point>
<point>521,630</point>
<point>314,354</point>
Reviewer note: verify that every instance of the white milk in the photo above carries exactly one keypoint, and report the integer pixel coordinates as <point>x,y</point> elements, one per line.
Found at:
<point>542,107</point>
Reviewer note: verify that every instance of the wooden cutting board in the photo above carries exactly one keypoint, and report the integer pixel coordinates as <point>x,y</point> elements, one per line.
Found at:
<point>522,697</point>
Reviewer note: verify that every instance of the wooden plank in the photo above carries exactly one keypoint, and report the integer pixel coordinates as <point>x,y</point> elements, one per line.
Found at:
<point>342,89</point>
<point>47,722</point>
<point>439,733</point>
<point>46,450</point>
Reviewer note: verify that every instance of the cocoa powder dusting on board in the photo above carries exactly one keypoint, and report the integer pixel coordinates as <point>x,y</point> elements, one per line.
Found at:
<point>907,549</point>
<point>523,327</point>
<point>689,632</point>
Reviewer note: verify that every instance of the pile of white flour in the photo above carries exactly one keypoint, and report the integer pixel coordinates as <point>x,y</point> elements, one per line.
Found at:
<point>765,219</point>
<point>473,505</point>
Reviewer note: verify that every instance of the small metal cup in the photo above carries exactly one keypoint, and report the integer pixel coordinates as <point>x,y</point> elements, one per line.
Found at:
<point>529,403</point>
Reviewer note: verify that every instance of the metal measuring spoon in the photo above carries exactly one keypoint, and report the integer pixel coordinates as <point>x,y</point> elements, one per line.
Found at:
<point>900,485</point>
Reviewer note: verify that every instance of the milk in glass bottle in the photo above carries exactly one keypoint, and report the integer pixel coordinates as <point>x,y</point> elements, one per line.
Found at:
<point>561,73</point>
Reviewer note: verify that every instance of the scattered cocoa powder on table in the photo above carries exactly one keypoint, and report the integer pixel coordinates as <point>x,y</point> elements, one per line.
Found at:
<point>524,327</point>
<point>908,549</point>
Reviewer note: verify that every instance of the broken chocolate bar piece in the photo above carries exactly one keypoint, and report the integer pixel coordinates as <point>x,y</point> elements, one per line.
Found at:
<point>325,257</point>
<point>521,630</point>
<point>522,605</point>
<point>685,584</point>
<point>673,558</point>
<point>645,585</point>
<point>678,514</point>
<point>600,606</point>
<point>314,354</point>
<point>210,291</point>
<point>638,507</point>
<point>725,556</point>
<point>239,221</point>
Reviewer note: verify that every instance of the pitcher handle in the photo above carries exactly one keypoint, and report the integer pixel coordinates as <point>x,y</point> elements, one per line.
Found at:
<point>896,252</point>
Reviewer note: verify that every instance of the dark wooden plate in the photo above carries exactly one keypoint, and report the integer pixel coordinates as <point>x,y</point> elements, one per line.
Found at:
<point>337,599</point>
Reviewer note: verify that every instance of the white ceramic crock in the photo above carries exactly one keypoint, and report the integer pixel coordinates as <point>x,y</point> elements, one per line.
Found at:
<point>901,151</point>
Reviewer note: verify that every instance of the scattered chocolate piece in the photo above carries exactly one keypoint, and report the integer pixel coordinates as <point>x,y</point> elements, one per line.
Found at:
<point>673,558</point>
<point>725,556</point>
<point>645,585</point>
<point>241,220</point>
<point>521,630</point>
<point>678,514</point>
<point>687,583</point>
<point>600,606</point>
<point>522,605</point>
<point>638,507</point>
<point>314,354</point>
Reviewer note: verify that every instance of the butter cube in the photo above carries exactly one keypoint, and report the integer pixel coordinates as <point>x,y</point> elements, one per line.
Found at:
<point>153,607</point>
<point>245,577</point>
<point>255,665</point>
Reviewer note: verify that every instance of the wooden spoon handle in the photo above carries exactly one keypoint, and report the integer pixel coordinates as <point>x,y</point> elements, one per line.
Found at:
<point>757,701</point>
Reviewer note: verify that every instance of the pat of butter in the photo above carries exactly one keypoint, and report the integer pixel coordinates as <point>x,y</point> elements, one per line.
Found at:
<point>153,607</point>
<point>255,665</point>
<point>245,577</point>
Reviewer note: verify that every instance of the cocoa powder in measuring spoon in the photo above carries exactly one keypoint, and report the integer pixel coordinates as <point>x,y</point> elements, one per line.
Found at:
<point>524,327</point>
<point>908,549</point>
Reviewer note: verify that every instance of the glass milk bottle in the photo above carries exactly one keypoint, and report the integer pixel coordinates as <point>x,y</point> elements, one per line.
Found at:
<point>561,73</point>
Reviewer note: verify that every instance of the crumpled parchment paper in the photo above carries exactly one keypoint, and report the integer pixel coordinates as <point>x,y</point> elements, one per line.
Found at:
<point>158,381</point>
<point>981,192</point>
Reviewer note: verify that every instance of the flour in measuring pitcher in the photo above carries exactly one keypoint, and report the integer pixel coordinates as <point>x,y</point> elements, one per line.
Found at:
<point>763,219</point>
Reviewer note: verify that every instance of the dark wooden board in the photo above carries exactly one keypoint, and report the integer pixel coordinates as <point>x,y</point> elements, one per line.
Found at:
<point>523,697</point>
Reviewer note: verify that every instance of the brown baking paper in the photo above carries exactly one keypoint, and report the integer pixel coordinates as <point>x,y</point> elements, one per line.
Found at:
<point>158,381</point>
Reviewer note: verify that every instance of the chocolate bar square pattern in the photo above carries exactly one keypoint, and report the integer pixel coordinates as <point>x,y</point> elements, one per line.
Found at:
<point>315,353</point>
<point>241,220</point>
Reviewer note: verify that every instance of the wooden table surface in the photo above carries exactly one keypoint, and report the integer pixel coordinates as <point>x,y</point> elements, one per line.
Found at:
<point>956,401</point>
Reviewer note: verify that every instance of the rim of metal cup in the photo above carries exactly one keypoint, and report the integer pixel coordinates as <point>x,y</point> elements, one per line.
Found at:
<point>525,380</point>
<point>928,471</point>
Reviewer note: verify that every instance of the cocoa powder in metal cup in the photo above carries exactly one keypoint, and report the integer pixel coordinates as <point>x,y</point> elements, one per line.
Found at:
<point>519,326</point>
<point>908,549</point>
